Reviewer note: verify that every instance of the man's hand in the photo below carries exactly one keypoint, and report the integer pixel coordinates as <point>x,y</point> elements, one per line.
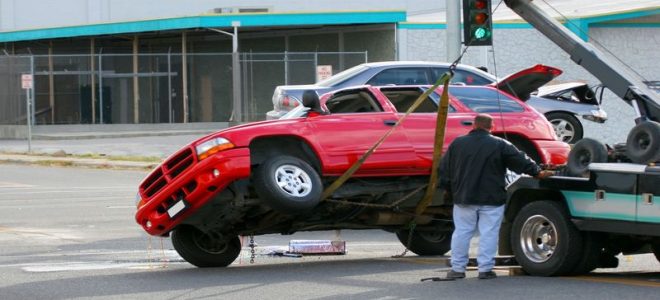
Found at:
<point>544,174</point>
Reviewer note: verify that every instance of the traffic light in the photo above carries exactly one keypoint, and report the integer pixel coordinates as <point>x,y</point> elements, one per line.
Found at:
<point>477,23</point>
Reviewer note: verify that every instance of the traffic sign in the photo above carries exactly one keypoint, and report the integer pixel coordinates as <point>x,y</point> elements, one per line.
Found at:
<point>27,81</point>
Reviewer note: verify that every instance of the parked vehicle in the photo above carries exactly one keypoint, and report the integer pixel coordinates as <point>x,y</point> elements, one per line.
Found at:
<point>267,177</point>
<point>563,106</point>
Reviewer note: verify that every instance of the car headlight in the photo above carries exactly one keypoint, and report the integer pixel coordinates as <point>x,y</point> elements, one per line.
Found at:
<point>597,116</point>
<point>212,146</point>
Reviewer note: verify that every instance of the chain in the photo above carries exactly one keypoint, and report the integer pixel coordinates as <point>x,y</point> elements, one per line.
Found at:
<point>251,245</point>
<point>393,204</point>
<point>410,234</point>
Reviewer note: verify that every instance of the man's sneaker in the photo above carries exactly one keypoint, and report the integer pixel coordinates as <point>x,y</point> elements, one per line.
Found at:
<point>487,275</point>
<point>455,275</point>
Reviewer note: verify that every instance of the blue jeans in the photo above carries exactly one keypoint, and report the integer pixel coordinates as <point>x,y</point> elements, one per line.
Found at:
<point>467,219</point>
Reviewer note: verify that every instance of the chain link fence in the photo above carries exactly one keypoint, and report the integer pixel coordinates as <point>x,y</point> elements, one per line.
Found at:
<point>153,88</point>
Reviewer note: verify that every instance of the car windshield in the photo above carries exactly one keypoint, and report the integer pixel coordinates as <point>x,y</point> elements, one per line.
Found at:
<point>341,76</point>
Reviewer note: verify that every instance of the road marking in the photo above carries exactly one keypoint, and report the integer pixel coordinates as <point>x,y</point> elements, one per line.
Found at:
<point>5,184</point>
<point>619,280</point>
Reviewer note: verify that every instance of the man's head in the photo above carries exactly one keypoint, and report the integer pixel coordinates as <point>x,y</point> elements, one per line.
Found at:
<point>483,121</point>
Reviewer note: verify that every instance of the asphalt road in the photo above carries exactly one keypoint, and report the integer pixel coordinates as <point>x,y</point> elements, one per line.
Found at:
<point>69,233</point>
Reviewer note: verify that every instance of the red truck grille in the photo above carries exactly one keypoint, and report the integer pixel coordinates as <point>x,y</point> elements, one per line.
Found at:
<point>167,172</point>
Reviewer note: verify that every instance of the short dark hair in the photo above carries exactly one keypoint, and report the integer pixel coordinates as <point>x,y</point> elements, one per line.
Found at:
<point>483,121</point>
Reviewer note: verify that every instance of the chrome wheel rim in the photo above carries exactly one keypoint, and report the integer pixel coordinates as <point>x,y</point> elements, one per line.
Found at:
<point>563,129</point>
<point>538,238</point>
<point>293,181</point>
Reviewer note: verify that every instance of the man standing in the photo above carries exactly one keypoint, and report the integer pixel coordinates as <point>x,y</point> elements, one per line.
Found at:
<point>473,170</point>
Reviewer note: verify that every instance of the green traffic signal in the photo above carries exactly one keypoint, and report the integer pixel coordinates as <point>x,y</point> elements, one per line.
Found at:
<point>481,33</point>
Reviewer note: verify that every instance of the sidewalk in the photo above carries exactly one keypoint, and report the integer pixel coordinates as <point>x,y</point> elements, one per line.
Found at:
<point>142,152</point>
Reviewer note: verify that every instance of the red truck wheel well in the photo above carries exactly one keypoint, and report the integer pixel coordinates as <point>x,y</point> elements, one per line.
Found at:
<point>262,148</point>
<point>523,144</point>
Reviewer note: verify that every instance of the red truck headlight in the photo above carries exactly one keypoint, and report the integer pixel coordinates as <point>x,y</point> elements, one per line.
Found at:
<point>212,146</point>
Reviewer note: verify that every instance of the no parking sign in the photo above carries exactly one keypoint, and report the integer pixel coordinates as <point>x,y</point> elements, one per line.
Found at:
<point>26,81</point>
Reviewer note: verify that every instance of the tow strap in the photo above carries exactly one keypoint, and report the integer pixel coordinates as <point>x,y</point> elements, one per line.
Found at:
<point>437,147</point>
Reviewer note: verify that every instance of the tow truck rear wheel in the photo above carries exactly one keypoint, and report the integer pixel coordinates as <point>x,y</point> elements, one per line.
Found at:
<point>288,184</point>
<point>592,252</point>
<point>544,241</point>
<point>643,143</point>
<point>425,243</point>
<point>205,250</point>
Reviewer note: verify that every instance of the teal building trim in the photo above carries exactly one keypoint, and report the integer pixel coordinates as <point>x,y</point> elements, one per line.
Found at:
<point>246,20</point>
<point>579,26</point>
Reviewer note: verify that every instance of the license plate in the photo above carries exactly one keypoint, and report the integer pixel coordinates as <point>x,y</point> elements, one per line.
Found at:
<point>176,208</point>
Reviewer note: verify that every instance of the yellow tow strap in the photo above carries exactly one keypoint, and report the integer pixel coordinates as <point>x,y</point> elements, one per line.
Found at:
<point>437,149</point>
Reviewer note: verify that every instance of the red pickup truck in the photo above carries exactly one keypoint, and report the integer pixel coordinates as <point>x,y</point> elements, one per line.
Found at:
<point>267,177</point>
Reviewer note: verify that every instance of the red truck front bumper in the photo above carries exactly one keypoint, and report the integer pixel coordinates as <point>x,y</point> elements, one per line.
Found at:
<point>182,184</point>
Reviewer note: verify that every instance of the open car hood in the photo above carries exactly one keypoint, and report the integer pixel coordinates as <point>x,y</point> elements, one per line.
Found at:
<point>572,91</point>
<point>522,83</point>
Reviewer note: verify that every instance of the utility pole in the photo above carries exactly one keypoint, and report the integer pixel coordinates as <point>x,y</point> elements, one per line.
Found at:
<point>453,29</point>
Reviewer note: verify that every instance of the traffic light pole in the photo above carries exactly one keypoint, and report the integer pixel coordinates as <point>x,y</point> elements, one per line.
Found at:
<point>453,30</point>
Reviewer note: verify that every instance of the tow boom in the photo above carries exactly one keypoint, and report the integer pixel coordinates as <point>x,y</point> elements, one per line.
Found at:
<point>611,73</point>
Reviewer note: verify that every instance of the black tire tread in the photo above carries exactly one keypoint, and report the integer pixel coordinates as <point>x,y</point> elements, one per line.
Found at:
<point>652,152</point>
<point>423,247</point>
<point>568,251</point>
<point>597,152</point>
<point>185,246</point>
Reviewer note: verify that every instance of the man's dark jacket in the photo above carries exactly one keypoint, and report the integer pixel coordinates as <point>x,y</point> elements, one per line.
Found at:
<point>474,167</point>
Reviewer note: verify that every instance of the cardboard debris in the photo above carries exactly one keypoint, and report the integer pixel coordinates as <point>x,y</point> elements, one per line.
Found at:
<point>317,247</point>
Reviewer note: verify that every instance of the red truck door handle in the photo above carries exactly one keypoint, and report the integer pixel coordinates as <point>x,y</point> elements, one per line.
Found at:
<point>389,122</point>
<point>467,123</point>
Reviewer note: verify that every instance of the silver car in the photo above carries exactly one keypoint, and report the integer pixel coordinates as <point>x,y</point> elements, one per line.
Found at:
<point>563,105</point>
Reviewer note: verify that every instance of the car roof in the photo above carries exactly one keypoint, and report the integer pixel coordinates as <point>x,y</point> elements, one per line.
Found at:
<point>381,64</point>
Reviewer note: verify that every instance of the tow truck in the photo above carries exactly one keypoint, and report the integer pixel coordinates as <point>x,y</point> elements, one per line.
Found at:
<point>607,200</point>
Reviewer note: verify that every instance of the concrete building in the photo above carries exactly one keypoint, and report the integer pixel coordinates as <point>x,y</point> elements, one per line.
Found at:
<point>140,62</point>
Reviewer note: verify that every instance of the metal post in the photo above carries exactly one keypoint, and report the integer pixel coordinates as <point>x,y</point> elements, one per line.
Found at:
<point>453,29</point>
<point>51,83</point>
<point>169,83</point>
<point>100,87</point>
<point>93,79</point>
<point>184,75</point>
<point>316,64</point>
<point>236,76</point>
<point>28,116</point>
<point>237,110</point>
<point>286,67</point>
<point>32,93</point>
<point>136,82</point>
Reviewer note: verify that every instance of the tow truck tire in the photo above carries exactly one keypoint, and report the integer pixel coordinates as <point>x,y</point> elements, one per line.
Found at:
<point>544,241</point>
<point>643,143</point>
<point>205,250</point>
<point>592,251</point>
<point>567,127</point>
<point>584,152</point>
<point>425,243</point>
<point>288,184</point>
